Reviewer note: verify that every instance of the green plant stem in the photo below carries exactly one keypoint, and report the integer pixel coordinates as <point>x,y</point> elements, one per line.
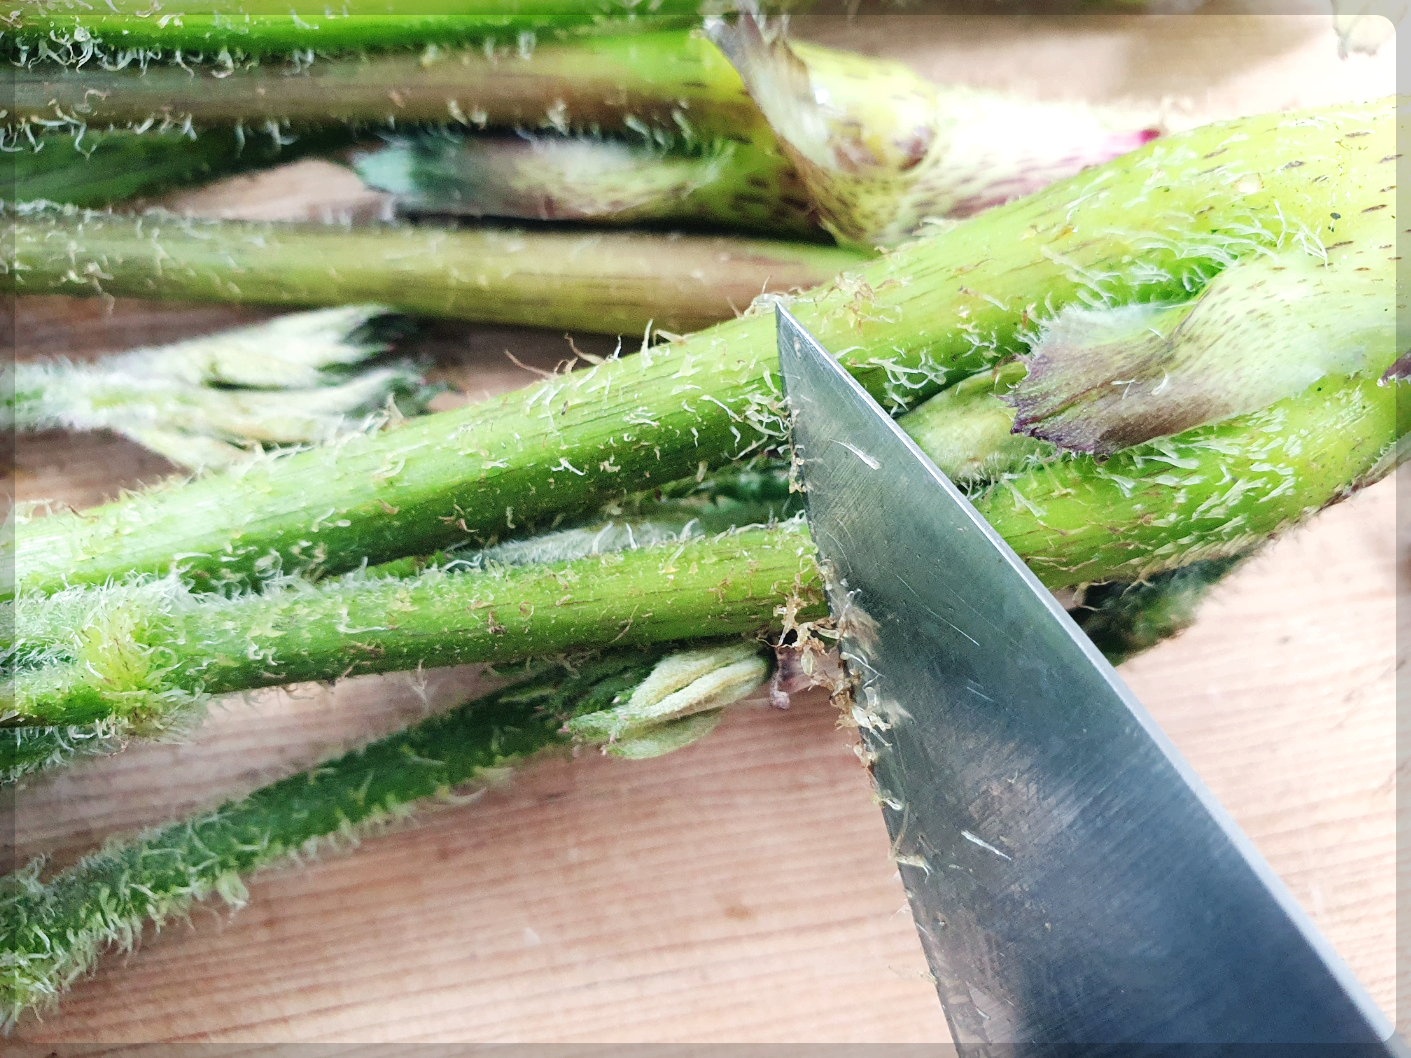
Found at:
<point>101,168</point>
<point>668,80</point>
<point>1154,225</point>
<point>44,626</point>
<point>52,932</point>
<point>1124,620</point>
<point>881,151</point>
<point>1211,492</point>
<point>273,26</point>
<point>883,154</point>
<point>649,83</point>
<point>968,429</point>
<point>606,282</point>
<point>144,658</point>
<point>742,186</point>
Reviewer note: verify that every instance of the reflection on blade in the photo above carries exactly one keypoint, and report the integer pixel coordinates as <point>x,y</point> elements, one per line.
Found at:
<point>1076,888</point>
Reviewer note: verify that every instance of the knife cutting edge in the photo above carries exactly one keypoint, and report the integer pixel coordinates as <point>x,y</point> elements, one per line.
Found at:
<point>1076,888</point>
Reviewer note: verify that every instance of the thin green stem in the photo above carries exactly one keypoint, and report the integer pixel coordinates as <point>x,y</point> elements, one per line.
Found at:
<point>607,282</point>
<point>44,625</point>
<point>74,30</point>
<point>1122,619</point>
<point>146,657</point>
<point>100,168</point>
<point>1152,226</point>
<point>53,931</point>
<point>881,155</point>
<point>668,80</point>
<point>1075,520</point>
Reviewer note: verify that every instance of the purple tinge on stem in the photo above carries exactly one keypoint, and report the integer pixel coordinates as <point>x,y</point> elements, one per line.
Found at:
<point>1400,371</point>
<point>881,152</point>
<point>1044,170</point>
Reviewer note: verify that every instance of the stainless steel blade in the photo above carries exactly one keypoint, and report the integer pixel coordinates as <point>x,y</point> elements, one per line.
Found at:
<point>1077,890</point>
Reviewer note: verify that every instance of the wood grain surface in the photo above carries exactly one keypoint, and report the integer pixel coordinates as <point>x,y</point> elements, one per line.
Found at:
<point>739,890</point>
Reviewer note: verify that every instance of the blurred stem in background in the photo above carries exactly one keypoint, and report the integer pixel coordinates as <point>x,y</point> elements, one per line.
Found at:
<point>219,30</point>
<point>90,168</point>
<point>656,80</point>
<point>725,184</point>
<point>744,129</point>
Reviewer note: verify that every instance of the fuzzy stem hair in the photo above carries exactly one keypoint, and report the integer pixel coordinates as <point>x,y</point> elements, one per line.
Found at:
<point>296,380</point>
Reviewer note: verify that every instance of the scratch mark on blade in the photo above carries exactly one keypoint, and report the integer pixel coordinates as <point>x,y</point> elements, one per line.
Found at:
<point>859,453</point>
<point>976,840</point>
<point>970,686</point>
<point>933,613</point>
<point>957,627</point>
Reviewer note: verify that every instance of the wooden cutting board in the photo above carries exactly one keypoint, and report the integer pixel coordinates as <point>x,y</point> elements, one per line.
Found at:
<point>738,890</point>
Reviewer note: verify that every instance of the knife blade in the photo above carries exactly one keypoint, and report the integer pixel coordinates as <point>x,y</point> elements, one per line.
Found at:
<point>1077,890</point>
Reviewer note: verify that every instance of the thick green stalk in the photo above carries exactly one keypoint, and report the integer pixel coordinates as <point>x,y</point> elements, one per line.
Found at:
<point>1152,226</point>
<point>51,932</point>
<point>99,168</point>
<point>608,282</point>
<point>1123,619</point>
<point>669,80</point>
<point>1211,492</point>
<point>146,657</point>
<point>55,929</point>
<point>76,31</point>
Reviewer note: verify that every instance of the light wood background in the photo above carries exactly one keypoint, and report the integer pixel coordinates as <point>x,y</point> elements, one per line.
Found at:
<point>738,890</point>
